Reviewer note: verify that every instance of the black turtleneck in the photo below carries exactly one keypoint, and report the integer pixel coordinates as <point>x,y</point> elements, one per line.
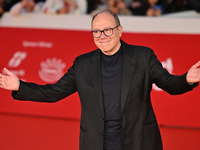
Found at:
<point>111,72</point>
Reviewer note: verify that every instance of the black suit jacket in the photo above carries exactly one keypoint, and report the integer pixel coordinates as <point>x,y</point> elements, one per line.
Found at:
<point>141,68</point>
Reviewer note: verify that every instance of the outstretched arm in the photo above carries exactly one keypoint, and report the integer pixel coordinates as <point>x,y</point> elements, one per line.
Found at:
<point>9,80</point>
<point>193,74</point>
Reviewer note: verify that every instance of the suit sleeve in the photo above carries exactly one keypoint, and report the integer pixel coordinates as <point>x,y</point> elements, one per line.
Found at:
<point>49,92</point>
<point>172,84</point>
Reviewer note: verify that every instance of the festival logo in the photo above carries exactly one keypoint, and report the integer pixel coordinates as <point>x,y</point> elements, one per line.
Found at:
<point>168,65</point>
<point>51,69</point>
<point>15,62</point>
<point>17,58</point>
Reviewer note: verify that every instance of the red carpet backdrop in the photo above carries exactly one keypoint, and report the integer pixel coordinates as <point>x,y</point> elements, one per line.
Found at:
<point>42,53</point>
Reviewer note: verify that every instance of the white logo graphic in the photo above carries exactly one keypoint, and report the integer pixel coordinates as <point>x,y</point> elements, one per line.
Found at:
<point>17,58</point>
<point>51,69</point>
<point>167,65</point>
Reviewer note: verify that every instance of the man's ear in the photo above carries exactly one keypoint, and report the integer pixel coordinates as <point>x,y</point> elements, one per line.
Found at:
<point>120,29</point>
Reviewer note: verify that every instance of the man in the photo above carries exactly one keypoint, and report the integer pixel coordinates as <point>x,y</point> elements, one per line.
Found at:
<point>114,84</point>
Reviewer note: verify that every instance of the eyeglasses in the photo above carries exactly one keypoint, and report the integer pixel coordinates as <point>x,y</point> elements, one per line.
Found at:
<point>107,32</point>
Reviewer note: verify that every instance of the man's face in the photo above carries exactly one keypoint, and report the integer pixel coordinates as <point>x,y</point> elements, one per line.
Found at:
<point>109,45</point>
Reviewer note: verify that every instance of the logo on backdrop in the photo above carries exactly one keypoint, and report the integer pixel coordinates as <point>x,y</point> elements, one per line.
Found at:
<point>167,65</point>
<point>15,62</point>
<point>52,69</point>
<point>40,44</point>
<point>17,58</point>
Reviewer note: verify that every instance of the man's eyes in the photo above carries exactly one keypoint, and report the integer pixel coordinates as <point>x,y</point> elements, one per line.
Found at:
<point>97,31</point>
<point>107,29</point>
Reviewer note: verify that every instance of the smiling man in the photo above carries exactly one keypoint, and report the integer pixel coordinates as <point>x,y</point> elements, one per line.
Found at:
<point>106,30</point>
<point>114,84</point>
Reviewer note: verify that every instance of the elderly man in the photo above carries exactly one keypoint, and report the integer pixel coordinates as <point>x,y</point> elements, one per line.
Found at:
<point>114,84</point>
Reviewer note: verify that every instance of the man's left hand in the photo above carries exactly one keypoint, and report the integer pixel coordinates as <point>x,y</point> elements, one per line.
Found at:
<point>193,74</point>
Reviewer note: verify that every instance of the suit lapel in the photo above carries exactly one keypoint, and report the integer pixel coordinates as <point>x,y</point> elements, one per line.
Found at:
<point>95,75</point>
<point>127,74</point>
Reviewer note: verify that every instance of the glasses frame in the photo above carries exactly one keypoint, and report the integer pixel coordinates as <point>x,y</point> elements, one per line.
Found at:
<point>104,32</point>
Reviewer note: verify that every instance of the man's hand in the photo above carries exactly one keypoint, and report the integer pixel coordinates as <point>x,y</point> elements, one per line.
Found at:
<point>9,80</point>
<point>193,74</point>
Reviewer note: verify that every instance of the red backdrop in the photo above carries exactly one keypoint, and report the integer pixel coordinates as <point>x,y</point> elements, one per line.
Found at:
<point>43,55</point>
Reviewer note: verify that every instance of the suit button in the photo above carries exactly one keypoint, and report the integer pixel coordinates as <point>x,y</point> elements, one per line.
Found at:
<point>101,134</point>
<point>102,118</point>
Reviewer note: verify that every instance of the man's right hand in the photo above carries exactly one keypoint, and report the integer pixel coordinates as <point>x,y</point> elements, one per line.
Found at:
<point>9,80</point>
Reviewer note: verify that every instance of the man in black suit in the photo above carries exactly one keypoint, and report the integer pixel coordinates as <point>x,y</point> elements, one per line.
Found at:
<point>114,84</point>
